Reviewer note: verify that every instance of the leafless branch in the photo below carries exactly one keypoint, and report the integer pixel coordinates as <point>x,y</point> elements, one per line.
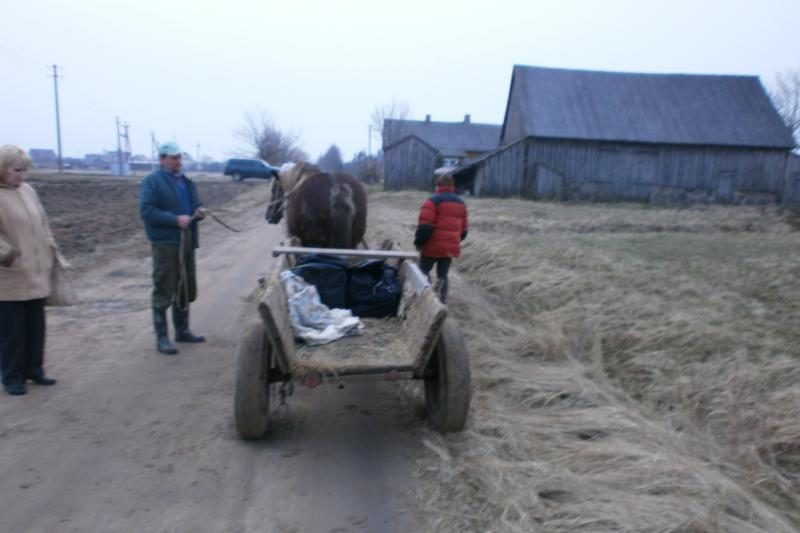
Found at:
<point>786,97</point>
<point>265,140</point>
<point>393,109</point>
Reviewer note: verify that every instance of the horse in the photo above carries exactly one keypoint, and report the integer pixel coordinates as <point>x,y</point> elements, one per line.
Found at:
<point>323,210</point>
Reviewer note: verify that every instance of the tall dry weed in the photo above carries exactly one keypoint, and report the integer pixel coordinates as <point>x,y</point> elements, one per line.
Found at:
<point>634,369</point>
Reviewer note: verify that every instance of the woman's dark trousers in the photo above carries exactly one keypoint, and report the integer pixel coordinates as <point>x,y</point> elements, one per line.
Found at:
<point>22,333</point>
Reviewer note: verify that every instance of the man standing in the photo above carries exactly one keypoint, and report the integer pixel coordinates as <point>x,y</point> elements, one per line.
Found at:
<point>170,209</point>
<point>441,227</point>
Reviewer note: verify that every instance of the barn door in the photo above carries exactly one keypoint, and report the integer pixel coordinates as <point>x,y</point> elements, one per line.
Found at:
<point>725,186</point>
<point>795,192</point>
<point>549,183</point>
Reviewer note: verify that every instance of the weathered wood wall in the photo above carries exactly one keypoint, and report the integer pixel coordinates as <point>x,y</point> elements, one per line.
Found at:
<point>792,191</point>
<point>409,165</point>
<point>502,173</point>
<point>541,168</point>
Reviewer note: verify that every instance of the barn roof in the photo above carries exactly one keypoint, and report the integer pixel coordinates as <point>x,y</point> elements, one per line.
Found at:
<point>450,138</point>
<point>651,108</point>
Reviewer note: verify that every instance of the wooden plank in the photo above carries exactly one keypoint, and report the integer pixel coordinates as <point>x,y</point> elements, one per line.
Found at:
<point>414,279</point>
<point>275,314</point>
<point>423,315</point>
<point>369,254</point>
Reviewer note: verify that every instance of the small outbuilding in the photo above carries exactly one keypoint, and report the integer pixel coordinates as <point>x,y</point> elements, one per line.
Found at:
<point>43,157</point>
<point>414,149</point>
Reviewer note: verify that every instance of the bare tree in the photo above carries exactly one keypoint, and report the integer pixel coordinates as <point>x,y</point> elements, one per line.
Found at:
<point>261,136</point>
<point>786,97</point>
<point>394,109</point>
<point>331,160</point>
<point>366,168</point>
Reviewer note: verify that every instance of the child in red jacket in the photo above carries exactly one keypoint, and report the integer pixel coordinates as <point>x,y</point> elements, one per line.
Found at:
<point>441,228</point>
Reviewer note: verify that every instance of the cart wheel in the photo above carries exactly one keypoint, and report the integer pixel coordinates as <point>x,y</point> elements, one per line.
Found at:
<point>447,382</point>
<point>251,404</point>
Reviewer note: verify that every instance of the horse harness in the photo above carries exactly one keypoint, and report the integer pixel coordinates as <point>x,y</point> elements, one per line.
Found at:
<point>283,198</point>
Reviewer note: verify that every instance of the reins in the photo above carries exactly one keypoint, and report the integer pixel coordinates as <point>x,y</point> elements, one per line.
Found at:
<point>183,287</point>
<point>288,194</point>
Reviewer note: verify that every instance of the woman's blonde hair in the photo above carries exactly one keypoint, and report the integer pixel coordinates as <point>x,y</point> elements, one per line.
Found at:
<point>11,156</point>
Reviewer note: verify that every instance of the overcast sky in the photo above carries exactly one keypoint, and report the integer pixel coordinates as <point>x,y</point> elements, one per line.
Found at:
<point>190,70</point>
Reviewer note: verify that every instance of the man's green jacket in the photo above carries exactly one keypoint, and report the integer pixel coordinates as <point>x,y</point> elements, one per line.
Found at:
<point>159,207</point>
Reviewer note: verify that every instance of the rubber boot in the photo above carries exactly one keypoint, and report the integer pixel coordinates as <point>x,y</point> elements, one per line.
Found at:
<point>440,289</point>
<point>182,332</point>
<point>163,344</point>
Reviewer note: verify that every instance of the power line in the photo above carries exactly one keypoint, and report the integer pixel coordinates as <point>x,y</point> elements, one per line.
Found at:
<point>20,58</point>
<point>15,57</point>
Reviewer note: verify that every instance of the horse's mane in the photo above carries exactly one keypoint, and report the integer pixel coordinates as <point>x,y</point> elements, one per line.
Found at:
<point>291,176</point>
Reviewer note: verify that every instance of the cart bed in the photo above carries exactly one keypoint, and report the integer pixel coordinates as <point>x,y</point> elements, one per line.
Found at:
<point>380,344</point>
<point>397,344</point>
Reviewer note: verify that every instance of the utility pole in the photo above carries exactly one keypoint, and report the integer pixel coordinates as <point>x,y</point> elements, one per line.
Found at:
<point>369,142</point>
<point>153,149</point>
<point>58,120</point>
<point>119,150</point>
<point>197,161</point>
<point>128,149</point>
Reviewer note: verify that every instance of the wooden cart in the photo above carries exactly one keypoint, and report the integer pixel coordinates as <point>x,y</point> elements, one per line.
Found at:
<point>420,343</point>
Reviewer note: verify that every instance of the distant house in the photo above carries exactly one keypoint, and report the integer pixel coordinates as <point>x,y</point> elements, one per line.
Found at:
<point>96,160</point>
<point>43,157</point>
<point>413,149</point>
<point>576,134</point>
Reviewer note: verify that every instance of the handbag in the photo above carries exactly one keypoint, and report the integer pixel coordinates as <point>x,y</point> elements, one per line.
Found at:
<point>62,293</point>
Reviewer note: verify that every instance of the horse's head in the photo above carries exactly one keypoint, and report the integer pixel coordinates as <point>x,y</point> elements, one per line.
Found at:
<point>274,212</point>
<point>289,176</point>
<point>283,182</point>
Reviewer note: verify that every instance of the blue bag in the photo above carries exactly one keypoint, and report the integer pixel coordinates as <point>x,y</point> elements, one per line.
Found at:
<point>328,273</point>
<point>373,289</point>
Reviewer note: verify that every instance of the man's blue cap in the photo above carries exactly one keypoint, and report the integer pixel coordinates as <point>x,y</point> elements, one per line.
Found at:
<point>169,148</point>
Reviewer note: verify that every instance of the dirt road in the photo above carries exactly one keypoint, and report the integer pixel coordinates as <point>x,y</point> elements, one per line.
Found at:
<point>130,440</point>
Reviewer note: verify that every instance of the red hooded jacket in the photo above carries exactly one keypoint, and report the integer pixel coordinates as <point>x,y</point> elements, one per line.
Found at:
<point>442,224</point>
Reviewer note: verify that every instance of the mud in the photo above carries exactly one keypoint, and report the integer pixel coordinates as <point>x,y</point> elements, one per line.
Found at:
<point>131,440</point>
<point>88,212</point>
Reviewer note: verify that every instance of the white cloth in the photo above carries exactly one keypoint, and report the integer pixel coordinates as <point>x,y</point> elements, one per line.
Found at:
<point>313,321</point>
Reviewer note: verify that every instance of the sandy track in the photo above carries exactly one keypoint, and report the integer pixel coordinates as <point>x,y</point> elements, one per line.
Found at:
<point>130,440</point>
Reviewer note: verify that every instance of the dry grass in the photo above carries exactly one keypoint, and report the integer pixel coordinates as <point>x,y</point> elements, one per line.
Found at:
<point>381,343</point>
<point>634,369</point>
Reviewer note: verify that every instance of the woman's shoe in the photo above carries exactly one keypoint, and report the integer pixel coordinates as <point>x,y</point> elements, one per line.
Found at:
<point>42,380</point>
<point>16,389</point>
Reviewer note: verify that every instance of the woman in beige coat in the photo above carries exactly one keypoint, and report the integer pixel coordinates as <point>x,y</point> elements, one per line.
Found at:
<point>27,252</point>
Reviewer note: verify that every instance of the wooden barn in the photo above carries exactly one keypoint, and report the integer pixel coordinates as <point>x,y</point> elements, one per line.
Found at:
<point>665,138</point>
<point>413,149</point>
